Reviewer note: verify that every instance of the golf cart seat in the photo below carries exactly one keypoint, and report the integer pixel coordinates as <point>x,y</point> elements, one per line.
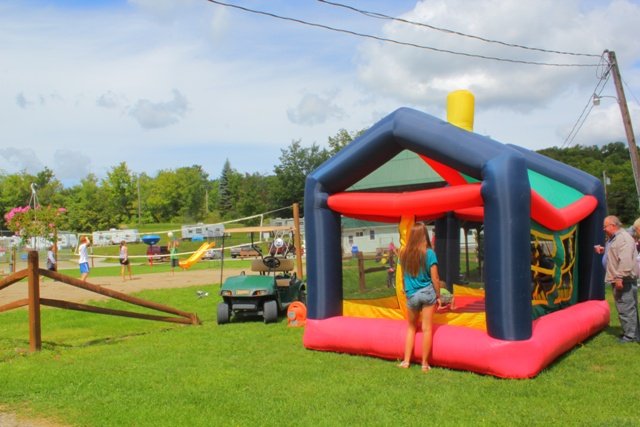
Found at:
<point>285,265</point>
<point>283,282</point>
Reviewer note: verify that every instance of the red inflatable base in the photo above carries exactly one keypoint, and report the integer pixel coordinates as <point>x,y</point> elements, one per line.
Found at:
<point>463,348</point>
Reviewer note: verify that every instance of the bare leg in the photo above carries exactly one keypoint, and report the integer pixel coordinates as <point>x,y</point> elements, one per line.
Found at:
<point>130,274</point>
<point>427,335</point>
<point>411,337</point>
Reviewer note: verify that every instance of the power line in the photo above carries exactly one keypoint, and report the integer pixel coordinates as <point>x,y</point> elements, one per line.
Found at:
<point>387,40</point>
<point>577,126</point>
<point>457,33</point>
<point>602,79</point>
<point>630,91</point>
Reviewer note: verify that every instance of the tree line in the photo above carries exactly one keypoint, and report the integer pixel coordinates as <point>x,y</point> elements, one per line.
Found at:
<point>183,195</point>
<point>611,161</point>
<point>189,195</point>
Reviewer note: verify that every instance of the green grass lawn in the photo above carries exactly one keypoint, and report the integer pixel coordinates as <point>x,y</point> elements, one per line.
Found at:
<point>97,370</point>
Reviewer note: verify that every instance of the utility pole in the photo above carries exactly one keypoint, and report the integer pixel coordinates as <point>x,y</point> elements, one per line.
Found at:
<point>138,202</point>
<point>626,119</point>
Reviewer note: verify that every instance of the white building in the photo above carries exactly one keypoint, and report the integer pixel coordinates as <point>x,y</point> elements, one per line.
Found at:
<point>367,236</point>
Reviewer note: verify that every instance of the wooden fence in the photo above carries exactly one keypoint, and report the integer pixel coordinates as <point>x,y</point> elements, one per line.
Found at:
<point>34,301</point>
<point>363,271</point>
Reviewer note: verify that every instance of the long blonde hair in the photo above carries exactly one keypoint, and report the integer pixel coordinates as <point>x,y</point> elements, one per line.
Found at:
<point>414,253</point>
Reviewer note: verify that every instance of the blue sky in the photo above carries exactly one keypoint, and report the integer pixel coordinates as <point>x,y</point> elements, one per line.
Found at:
<point>162,84</point>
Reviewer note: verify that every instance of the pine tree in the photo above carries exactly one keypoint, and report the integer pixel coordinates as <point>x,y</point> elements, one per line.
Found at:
<point>225,197</point>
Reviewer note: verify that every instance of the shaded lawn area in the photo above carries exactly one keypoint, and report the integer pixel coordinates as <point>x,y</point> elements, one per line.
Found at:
<point>98,370</point>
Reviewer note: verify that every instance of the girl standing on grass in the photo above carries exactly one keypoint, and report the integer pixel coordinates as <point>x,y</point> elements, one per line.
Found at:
<point>422,289</point>
<point>124,260</point>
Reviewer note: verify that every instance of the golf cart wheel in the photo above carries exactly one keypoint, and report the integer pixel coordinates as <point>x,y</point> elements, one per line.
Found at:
<point>270,311</point>
<point>223,313</point>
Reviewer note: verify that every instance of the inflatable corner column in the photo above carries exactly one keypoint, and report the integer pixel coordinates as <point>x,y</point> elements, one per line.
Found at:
<point>507,200</point>
<point>324,254</point>
<point>591,272</point>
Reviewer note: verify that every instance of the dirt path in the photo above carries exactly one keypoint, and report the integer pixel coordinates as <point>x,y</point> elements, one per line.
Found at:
<point>57,290</point>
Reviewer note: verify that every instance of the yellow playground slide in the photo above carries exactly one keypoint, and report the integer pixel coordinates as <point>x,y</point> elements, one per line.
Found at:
<point>195,257</point>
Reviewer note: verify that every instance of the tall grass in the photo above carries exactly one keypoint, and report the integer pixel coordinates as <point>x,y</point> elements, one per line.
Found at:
<point>108,371</point>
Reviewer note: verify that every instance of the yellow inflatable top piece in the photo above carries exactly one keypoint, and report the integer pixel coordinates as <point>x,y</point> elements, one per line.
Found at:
<point>460,109</point>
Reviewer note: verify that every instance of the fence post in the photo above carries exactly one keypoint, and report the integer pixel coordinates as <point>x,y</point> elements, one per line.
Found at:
<point>35,336</point>
<point>14,260</point>
<point>361,273</point>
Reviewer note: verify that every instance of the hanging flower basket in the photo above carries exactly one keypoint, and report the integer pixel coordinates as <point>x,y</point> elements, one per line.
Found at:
<point>30,223</point>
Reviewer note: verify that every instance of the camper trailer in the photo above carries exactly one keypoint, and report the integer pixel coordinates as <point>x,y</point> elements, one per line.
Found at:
<point>114,237</point>
<point>67,239</point>
<point>202,231</point>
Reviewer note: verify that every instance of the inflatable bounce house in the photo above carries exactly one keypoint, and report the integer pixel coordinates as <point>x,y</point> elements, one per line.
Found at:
<point>543,290</point>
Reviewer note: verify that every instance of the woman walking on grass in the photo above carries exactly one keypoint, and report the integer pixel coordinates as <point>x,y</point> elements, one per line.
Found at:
<point>422,289</point>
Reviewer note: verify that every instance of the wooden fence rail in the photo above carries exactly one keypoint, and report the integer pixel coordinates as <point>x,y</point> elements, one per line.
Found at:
<point>33,300</point>
<point>363,271</point>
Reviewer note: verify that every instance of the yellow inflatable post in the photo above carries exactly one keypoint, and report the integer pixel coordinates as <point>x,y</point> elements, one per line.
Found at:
<point>406,222</point>
<point>460,109</point>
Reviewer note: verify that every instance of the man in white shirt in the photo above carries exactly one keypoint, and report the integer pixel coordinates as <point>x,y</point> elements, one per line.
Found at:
<point>622,273</point>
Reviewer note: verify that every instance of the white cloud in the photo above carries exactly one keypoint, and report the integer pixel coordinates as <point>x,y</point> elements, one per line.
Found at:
<point>110,100</point>
<point>153,115</point>
<point>71,165</point>
<point>423,76</point>
<point>314,109</point>
<point>24,159</point>
<point>21,100</point>
<point>605,125</point>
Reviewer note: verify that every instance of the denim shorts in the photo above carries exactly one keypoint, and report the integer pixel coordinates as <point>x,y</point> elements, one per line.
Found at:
<point>84,267</point>
<point>423,298</point>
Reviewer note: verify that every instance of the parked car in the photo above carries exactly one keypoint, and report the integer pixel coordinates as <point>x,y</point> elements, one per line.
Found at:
<point>212,254</point>
<point>244,251</point>
<point>158,253</point>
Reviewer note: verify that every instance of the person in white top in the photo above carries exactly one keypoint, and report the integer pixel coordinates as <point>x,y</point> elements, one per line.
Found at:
<point>83,251</point>
<point>51,260</point>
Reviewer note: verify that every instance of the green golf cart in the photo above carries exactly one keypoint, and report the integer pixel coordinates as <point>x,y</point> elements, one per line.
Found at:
<point>267,294</point>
